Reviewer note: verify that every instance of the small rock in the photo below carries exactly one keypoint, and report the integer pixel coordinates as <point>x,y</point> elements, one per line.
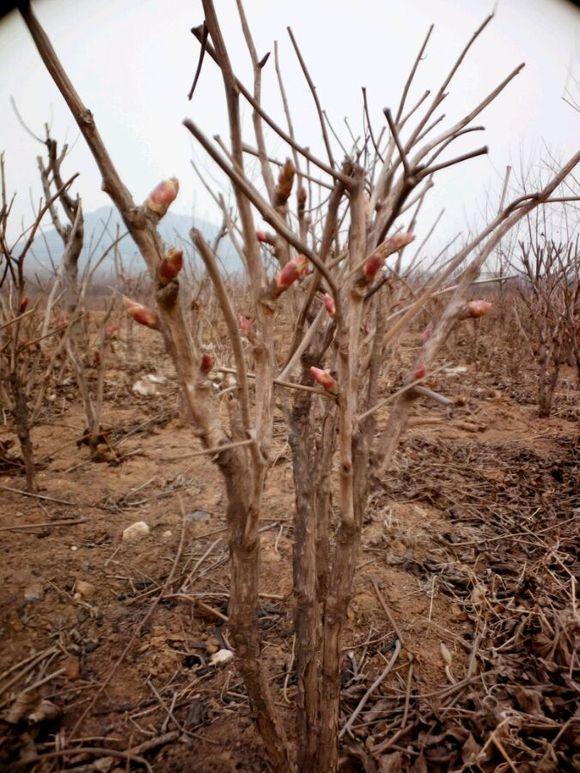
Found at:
<point>34,592</point>
<point>84,589</point>
<point>148,385</point>
<point>136,531</point>
<point>72,668</point>
<point>221,657</point>
<point>167,534</point>
<point>198,516</point>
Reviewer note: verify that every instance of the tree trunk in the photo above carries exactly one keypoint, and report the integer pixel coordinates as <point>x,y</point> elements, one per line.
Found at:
<point>244,558</point>
<point>307,621</point>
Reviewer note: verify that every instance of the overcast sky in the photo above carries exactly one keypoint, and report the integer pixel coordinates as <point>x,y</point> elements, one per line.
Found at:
<point>132,62</point>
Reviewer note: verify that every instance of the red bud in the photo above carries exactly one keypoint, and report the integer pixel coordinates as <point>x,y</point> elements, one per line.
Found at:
<point>96,358</point>
<point>171,265</point>
<point>375,261</point>
<point>161,197</point>
<point>325,380</point>
<point>329,305</point>
<point>141,314</point>
<point>421,371</point>
<point>293,270</point>
<point>23,305</point>
<point>287,276</point>
<point>206,363</point>
<point>372,265</point>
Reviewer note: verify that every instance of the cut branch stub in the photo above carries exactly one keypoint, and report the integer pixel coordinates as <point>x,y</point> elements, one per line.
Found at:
<point>171,265</point>
<point>141,314</point>
<point>285,182</point>
<point>266,238</point>
<point>162,196</point>
<point>375,260</point>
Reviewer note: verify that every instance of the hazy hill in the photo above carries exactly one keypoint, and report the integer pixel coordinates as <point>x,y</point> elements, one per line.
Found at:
<point>101,230</point>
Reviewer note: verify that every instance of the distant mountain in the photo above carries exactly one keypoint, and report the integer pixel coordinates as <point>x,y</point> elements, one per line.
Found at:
<point>101,230</point>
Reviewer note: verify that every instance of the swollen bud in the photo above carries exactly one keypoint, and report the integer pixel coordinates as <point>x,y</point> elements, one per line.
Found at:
<point>206,363</point>
<point>287,276</point>
<point>325,380</point>
<point>329,305</point>
<point>161,197</point>
<point>302,198</point>
<point>478,308</point>
<point>141,314</point>
<point>171,265</point>
<point>293,270</point>
<point>285,182</point>
<point>245,324</point>
<point>375,261</point>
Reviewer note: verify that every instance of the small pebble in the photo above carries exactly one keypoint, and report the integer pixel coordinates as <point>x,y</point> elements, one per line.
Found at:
<point>136,531</point>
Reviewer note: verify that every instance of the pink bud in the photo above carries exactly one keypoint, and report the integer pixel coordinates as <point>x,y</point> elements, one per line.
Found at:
<point>325,380</point>
<point>261,236</point>
<point>372,265</point>
<point>111,331</point>
<point>289,274</point>
<point>245,324</point>
<point>171,265</point>
<point>478,308</point>
<point>421,371</point>
<point>141,314</point>
<point>329,305</point>
<point>427,333</point>
<point>375,261</point>
<point>206,363</point>
<point>161,197</point>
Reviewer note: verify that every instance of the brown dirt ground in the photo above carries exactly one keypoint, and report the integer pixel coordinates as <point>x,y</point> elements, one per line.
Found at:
<point>85,636</point>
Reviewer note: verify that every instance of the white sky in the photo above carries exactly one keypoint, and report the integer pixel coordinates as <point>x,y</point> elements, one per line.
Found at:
<point>132,64</point>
